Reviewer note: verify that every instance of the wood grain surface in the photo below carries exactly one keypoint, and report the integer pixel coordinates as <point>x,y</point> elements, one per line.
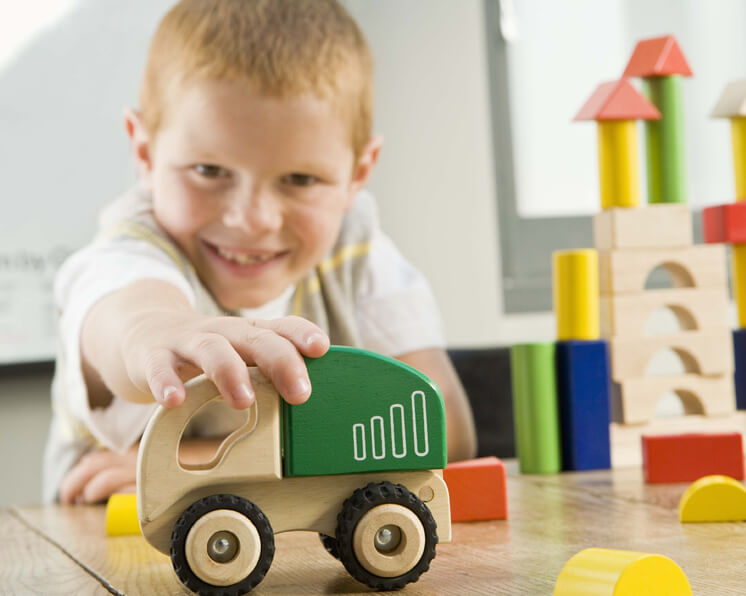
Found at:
<point>550,518</point>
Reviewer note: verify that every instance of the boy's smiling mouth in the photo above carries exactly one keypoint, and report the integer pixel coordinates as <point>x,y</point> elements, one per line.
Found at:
<point>245,260</point>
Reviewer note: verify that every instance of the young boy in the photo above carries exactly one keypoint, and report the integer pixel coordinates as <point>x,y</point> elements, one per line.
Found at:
<point>249,239</point>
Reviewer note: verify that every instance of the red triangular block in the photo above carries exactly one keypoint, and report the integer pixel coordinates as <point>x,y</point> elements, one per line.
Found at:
<point>617,100</point>
<point>657,57</point>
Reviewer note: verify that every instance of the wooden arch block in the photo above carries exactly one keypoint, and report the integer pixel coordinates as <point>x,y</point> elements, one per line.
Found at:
<point>626,271</point>
<point>606,572</point>
<point>627,315</point>
<point>713,499</point>
<point>707,353</point>
<point>634,400</point>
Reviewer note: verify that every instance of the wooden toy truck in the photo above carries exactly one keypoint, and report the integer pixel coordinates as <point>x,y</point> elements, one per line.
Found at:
<point>360,463</point>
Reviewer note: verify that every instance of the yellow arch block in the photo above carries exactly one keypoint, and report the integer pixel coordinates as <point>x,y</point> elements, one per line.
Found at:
<point>575,288</point>
<point>606,572</point>
<point>121,515</point>
<point>713,499</point>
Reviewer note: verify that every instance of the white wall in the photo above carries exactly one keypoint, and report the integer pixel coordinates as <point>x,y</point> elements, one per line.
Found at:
<point>435,181</point>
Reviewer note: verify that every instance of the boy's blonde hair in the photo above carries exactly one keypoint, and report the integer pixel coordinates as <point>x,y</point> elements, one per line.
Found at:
<point>282,48</point>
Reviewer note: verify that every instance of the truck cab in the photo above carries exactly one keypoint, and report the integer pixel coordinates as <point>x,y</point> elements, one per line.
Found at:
<point>360,463</point>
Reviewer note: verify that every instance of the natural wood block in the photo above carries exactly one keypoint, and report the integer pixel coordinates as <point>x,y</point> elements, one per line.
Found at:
<point>477,489</point>
<point>626,271</point>
<point>708,352</point>
<point>653,226</point>
<point>627,438</point>
<point>627,315</point>
<point>634,400</point>
<point>687,457</point>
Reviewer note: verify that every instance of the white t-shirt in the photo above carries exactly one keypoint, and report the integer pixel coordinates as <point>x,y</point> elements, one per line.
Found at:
<point>396,314</point>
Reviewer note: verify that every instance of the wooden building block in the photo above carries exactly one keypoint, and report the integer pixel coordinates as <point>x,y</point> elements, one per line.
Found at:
<point>739,356</point>
<point>713,499</point>
<point>627,438</point>
<point>606,572</point>
<point>627,315</point>
<point>393,415</point>
<point>121,515</point>
<point>626,271</point>
<point>724,223</point>
<point>738,268</point>
<point>535,410</point>
<point>634,400</point>
<point>618,164</point>
<point>652,226</point>
<point>583,388</point>
<point>708,352</point>
<point>477,489</point>
<point>685,458</point>
<point>575,291</point>
<point>732,105</point>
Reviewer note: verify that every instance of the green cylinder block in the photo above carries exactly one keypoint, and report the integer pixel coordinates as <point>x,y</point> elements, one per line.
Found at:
<point>664,140</point>
<point>535,410</point>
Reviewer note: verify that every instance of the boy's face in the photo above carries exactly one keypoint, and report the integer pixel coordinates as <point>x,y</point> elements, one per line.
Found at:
<point>252,188</point>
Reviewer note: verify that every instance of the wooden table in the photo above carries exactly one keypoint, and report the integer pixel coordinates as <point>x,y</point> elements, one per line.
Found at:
<point>64,550</point>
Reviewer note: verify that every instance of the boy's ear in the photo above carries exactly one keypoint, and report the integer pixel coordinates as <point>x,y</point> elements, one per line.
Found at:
<point>139,144</point>
<point>364,167</point>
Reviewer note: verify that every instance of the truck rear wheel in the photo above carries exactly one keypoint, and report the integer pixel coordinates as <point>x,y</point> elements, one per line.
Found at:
<point>222,544</point>
<point>386,536</point>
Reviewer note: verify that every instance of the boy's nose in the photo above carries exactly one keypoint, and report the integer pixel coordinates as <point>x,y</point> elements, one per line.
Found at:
<point>257,212</point>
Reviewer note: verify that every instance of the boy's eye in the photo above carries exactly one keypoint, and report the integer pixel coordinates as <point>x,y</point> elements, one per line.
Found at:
<point>207,170</point>
<point>296,179</point>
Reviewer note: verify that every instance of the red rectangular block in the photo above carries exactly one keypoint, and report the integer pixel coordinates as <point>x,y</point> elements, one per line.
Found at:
<point>684,458</point>
<point>725,223</point>
<point>477,489</point>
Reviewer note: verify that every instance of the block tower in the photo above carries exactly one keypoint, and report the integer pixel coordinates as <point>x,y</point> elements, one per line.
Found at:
<point>634,240</point>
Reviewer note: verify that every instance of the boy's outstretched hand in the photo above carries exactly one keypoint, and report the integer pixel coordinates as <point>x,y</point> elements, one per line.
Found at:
<point>144,341</point>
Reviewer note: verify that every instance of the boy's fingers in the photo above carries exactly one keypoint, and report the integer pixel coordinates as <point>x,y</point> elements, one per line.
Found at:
<point>279,359</point>
<point>215,355</point>
<point>308,338</point>
<point>107,482</point>
<point>163,382</point>
<point>77,478</point>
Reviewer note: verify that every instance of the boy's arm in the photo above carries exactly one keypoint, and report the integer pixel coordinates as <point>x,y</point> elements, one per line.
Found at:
<point>144,340</point>
<point>460,432</point>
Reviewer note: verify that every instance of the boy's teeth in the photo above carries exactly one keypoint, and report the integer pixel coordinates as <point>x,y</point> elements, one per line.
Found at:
<point>242,259</point>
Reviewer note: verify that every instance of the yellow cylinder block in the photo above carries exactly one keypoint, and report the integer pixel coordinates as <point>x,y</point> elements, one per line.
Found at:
<point>575,289</point>
<point>738,263</point>
<point>605,572</point>
<point>713,499</point>
<point>738,137</point>
<point>618,166</point>
<point>121,515</point>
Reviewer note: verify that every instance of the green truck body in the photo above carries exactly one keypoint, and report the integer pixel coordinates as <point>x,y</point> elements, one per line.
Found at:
<point>366,413</point>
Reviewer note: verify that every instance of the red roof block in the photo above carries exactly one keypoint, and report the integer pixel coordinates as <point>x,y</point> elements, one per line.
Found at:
<point>684,458</point>
<point>724,223</point>
<point>617,100</point>
<point>657,57</point>
<point>477,489</point>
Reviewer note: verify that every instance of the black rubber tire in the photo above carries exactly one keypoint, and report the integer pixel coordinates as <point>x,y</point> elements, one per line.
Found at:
<point>362,501</point>
<point>187,520</point>
<point>330,544</point>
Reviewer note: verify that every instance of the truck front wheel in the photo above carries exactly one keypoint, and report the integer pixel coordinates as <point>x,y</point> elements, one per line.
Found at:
<point>386,536</point>
<point>222,544</point>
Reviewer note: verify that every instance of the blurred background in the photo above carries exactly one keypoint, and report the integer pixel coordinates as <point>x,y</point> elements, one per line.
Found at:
<point>482,174</point>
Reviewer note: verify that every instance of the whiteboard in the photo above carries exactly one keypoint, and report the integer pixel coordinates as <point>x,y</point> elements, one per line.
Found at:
<point>67,70</point>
